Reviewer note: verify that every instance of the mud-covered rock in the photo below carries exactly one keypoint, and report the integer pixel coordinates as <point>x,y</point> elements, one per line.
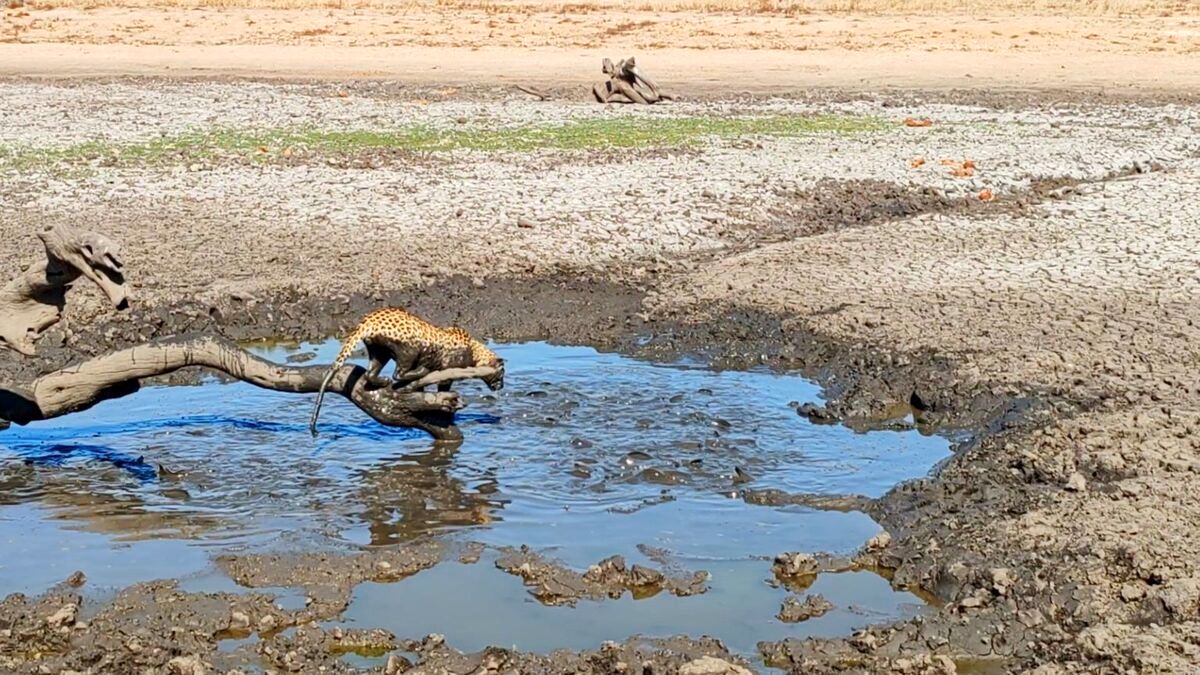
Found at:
<point>555,584</point>
<point>795,610</point>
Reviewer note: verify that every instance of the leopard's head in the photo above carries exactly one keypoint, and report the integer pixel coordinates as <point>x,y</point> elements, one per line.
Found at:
<point>494,381</point>
<point>482,356</point>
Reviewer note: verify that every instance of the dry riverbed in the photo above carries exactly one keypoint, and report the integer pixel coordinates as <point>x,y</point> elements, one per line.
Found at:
<point>1020,273</point>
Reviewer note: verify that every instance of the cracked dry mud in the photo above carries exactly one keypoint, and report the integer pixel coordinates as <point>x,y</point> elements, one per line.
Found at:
<point>1055,326</point>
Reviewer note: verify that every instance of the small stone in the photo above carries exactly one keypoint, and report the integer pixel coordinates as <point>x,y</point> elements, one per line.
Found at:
<point>187,665</point>
<point>267,623</point>
<point>879,541</point>
<point>944,665</point>
<point>644,576</point>
<point>434,640</point>
<point>794,610</point>
<point>239,620</point>
<point>524,223</point>
<point>1076,483</point>
<point>864,642</point>
<point>76,579</point>
<point>711,665</point>
<point>63,616</point>
<point>1132,592</point>
<point>1180,597</point>
<point>396,664</point>
<point>1002,580</point>
<point>816,414</point>
<point>795,565</point>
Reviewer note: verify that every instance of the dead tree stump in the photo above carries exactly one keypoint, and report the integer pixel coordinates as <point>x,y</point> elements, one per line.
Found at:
<point>34,300</point>
<point>626,84</point>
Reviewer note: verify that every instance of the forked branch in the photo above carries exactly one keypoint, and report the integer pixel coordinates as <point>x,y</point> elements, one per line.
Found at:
<point>627,84</point>
<point>118,374</point>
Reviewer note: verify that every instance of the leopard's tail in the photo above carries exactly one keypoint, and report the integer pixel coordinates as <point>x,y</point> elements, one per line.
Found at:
<point>348,346</point>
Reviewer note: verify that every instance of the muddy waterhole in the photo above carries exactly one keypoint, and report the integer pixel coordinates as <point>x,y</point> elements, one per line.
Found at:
<point>583,455</point>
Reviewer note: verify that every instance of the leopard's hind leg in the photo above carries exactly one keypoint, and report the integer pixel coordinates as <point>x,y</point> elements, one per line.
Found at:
<point>379,356</point>
<point>408,366</point>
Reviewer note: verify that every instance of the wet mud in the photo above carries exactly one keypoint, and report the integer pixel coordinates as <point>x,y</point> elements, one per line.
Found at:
<point>1035,542</point>
<point>865,395</point>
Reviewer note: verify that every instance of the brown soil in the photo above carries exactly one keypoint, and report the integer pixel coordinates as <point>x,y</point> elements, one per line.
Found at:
<point>1058,334</point>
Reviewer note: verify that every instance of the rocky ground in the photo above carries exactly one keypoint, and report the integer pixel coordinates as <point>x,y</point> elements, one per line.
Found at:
<point>1022,268</point>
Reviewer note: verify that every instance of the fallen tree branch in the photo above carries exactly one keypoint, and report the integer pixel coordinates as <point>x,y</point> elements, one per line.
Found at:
<point>34,300</point>
<point>118,374</point>
<point>533,91</point>
<point>626,82</point>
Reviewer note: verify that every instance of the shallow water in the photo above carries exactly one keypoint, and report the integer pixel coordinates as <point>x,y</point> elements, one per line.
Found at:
<point>581,456</point>
<point>739,607</point>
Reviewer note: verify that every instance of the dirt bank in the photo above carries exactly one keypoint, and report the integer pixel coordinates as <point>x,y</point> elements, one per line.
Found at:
<point>1056,324</point>
<point>692,51</point>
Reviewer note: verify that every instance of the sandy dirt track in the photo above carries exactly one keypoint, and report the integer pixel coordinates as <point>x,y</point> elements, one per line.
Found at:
<point>688,50</point>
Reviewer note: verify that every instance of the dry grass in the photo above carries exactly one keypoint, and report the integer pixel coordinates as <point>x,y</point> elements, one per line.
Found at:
<point>973,7</point>
<point>588,134</point>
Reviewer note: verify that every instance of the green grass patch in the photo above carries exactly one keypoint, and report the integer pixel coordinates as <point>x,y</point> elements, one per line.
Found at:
<point>605,133</point>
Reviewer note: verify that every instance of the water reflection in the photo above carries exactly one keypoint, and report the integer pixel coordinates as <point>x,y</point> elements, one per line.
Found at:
<point>122,498</point>
<point>104,490</point>
<point>414,494</point>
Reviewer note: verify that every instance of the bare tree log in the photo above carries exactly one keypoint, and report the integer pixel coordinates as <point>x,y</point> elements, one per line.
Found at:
<point>533,91</point>
<point>626,82</point>
<point>34,300</point>
<point>82,386</point>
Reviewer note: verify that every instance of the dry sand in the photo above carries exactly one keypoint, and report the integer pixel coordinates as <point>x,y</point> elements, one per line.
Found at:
<point>687,51</point>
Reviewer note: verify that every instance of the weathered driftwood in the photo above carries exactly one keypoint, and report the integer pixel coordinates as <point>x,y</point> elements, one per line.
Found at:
<point>533,91</point>
<point>626,84</point>
<point>34,300</point>
<point>118,374</point>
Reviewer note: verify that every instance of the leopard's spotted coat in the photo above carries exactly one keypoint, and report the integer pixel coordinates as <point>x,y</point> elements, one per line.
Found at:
<point>417,347</point>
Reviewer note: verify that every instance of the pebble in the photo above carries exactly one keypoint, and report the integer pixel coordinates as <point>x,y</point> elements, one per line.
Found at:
<point>711,665</point>
<point>239,620</point>
<point>63,616</point>
<point>1076,483</point>
<point>187,665</point>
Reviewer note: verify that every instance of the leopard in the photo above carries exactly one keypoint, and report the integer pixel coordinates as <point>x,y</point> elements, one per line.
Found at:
<point>417,347</point>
